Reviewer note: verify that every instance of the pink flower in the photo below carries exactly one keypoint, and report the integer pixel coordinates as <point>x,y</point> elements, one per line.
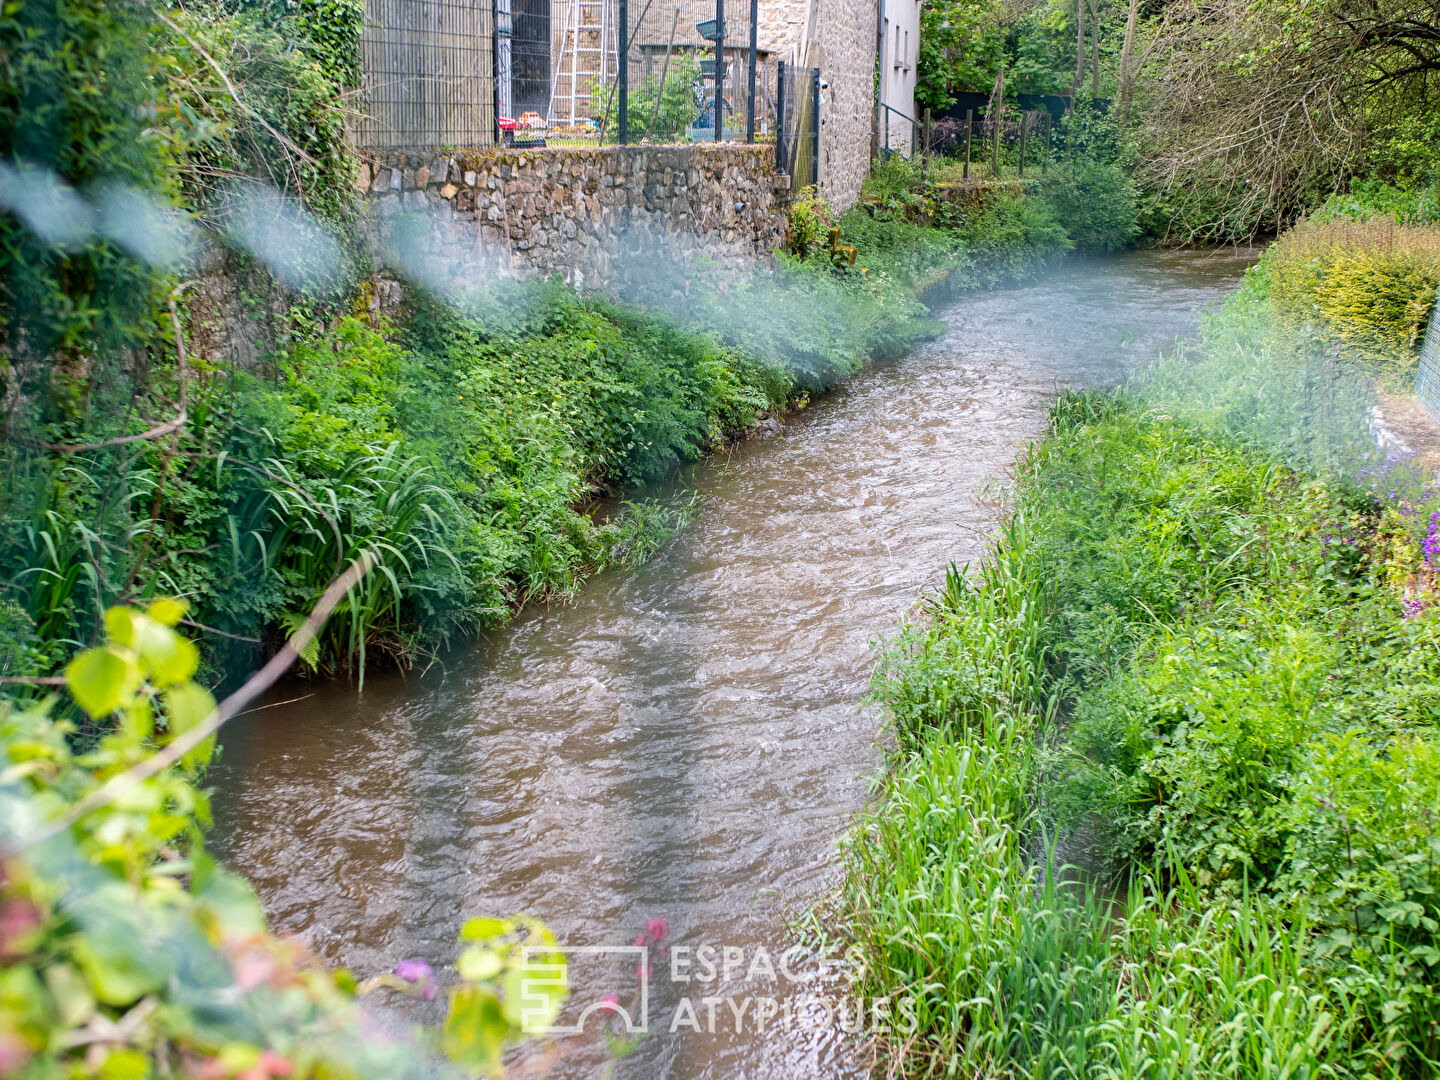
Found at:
<point>611,1002</point>
<point>657,929</point>
<point>639,940</point>
<point>418,971</point>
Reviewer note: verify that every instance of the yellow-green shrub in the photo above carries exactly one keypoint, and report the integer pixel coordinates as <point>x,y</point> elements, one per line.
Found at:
<point>1372,282</point>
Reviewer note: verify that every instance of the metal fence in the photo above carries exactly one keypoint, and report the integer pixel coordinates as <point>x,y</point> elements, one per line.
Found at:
<point>1427,376</point>
<point>1014,143</point>
<point>428,73</point>
<point>797,124</point>
<point>575,72</point>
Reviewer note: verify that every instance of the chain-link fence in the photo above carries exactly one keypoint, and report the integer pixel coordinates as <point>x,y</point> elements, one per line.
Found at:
<point>571,72</point>
<point>1427,376</point>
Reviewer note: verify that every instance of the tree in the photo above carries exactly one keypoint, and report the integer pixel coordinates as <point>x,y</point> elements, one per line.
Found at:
<point>961,47</point>
<point>1266,106</point>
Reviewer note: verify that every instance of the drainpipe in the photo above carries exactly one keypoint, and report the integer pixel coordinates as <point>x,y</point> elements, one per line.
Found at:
<point>880,83</point>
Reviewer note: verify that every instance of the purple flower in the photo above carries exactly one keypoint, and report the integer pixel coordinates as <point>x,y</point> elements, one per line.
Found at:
<point>1411,607</point>
<point>1431,546</point>
<point>418,971</point>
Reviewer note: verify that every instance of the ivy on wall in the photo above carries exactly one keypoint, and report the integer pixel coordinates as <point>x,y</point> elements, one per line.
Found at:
<point>328,30</point>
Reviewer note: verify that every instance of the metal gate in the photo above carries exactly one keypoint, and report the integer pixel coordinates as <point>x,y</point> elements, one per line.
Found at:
<point>797,124</point>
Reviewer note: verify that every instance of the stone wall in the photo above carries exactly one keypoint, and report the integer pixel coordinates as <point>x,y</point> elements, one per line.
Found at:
<point>616,218</point>
<point>838,37</point>
<point>844,38</point>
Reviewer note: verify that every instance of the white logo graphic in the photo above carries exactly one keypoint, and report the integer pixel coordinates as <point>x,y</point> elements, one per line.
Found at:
<point>541,976</point>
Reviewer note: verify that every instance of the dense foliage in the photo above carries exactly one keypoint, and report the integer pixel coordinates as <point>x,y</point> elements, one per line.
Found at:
<point>129,953</point>
<point>1226,592</point>
<point>1234,117</point>
<point>1373,282</point>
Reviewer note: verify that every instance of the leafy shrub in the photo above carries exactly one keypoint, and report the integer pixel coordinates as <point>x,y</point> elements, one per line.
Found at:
<point>1095,201</point>
<point>1372,282</point>
<point>122,926</point>
<point>807,224</point>
<point>677,100</point>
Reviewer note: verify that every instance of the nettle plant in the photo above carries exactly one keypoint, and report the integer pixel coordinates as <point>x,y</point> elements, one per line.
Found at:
<point>126,952</point>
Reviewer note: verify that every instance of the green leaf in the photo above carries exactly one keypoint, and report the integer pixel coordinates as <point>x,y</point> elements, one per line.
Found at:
<point>535,990</point>
<point>125,1065</point>
<point>73,1000</point>
<point>166,612</point>
<point>112,968</point>
<point>102,681</point>
<point>120,625</point>
<point>187,705</point>
<point>479,965</point>
<point>475,1030</point>
<point>170,657</point>
<point>483,929</point>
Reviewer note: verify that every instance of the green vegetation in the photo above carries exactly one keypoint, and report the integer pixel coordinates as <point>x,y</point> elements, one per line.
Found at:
<point>474,499</point>
<point>454,450</point>
<point>1201,662</point>
<point>677,107</point>
<point>1373,282</point>
<point>1233,118</point>
<point>130,953</point>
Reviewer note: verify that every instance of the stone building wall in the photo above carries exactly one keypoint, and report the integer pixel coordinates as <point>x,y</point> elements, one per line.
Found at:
<point>838,37</point>
<point>620,218</point>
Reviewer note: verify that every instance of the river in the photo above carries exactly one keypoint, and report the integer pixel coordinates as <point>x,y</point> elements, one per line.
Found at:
<point>683,741</point>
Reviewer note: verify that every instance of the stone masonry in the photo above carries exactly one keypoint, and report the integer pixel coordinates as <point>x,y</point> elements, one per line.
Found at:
<point>612,218</point>
<point>838,37</point>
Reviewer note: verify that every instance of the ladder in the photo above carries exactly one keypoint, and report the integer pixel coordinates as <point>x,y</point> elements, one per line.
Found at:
<point>588,57</point>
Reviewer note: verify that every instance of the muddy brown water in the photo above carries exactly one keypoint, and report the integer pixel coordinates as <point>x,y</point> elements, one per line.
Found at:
<point>683,741</point>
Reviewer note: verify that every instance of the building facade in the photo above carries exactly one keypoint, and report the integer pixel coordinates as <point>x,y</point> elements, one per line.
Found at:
<point>896,117</point>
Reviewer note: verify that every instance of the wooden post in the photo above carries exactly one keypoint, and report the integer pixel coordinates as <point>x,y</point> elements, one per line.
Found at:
<point>969,131</point>
<point>995,142</point>
<point>1024,125</point>
<point>924,145</point>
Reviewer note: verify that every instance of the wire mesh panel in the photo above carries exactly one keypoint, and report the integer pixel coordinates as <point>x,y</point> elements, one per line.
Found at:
<point>1427,376</point>
<point>428,73</point>
<point>797,148</point>
<point>677,40</point>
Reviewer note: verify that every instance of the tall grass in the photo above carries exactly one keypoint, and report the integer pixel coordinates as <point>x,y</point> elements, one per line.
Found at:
<point>1200,661</point>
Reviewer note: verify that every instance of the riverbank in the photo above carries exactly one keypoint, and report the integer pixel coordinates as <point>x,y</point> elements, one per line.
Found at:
<point>462,444</point>
<point>1199,661</point>
<point>330,395</point>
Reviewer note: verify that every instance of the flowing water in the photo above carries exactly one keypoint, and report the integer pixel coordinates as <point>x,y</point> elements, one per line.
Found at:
<point>683,741</point>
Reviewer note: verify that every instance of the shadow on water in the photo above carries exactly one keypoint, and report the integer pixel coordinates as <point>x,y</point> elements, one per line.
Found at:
<point>683,740</point>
